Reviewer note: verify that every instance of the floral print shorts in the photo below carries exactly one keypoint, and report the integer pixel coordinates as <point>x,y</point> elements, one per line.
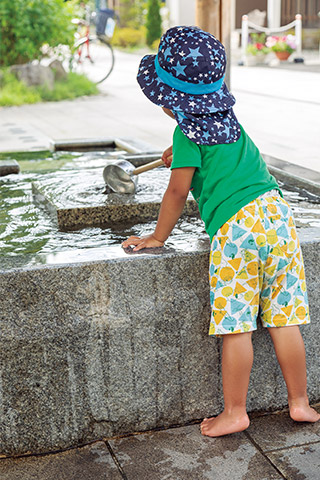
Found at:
<point>256,267</point>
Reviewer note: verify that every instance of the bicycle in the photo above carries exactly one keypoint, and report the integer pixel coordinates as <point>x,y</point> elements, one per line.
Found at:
<point>93,55</point>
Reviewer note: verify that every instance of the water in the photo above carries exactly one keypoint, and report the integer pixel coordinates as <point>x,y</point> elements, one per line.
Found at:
<point>26,228</point>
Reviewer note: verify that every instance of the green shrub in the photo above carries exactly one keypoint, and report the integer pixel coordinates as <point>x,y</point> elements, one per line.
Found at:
<point>73,86</point>
<point>155,44</point>
<point>14,92</point>
<point>25,25</point>
<point>131,13</point>
<point>128,37</point>
<point>153,22</point>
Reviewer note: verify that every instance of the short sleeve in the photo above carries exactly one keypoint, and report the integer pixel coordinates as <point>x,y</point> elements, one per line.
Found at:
<point>185,152</point>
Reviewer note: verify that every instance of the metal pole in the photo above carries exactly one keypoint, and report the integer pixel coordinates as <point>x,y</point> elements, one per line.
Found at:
<point>244,39</point>
<point>298,33</point>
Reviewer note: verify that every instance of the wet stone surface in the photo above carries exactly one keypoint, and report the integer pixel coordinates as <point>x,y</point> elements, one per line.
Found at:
<point>72,184</point>
<point>7,167</point>
<point>28,228</point>
<point>78,198</point>
<point>300,463</point>
<point>93,462</point>
<point>278,431</point>
<point>184,454</point>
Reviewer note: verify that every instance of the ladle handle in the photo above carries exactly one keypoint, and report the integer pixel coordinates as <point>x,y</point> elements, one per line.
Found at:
<point>148,166</point>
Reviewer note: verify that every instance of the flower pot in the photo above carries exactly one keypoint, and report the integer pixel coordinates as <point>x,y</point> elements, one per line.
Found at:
<point>282,55</point>
<point>258,59</point>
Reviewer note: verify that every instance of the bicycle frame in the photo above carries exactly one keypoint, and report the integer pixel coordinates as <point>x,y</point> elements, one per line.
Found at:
<point>86,43</point>
<point>86,24</point>
<point>84,54</point>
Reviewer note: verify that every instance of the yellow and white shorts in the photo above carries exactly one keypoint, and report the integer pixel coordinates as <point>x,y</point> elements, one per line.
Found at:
<point>256,266</point>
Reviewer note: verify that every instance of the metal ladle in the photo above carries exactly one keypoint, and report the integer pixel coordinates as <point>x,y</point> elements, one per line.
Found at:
<point>121,176</point>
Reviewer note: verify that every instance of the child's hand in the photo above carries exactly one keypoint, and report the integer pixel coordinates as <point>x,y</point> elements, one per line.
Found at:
<point>167,157</point>
<point>148,241</point>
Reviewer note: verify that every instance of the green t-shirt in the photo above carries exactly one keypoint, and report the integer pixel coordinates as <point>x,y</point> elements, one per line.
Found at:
<point>227,176</point>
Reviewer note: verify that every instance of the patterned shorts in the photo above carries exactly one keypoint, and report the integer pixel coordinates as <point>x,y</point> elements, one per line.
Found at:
<point>256,266</point>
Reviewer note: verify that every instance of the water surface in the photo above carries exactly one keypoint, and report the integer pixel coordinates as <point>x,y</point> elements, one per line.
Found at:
<point>27,228</point>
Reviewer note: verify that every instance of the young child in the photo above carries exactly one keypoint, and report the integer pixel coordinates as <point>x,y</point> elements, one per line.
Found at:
<point>256,264</point>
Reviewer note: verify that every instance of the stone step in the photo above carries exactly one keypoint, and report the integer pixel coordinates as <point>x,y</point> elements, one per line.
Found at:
<point>8,166</point>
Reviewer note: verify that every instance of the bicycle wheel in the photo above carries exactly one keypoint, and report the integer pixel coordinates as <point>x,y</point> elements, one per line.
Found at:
<point>92,57</point>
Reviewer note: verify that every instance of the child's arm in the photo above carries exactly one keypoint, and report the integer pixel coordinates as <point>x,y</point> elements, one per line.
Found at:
<point>171,208</point>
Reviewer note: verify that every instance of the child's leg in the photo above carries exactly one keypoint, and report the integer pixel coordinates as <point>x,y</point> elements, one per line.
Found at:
<point>237,359</point>
<point>290,351</point>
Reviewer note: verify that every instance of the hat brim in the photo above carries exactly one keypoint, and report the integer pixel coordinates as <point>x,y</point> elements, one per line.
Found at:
<point>165,96</point>
<point>210,129</point>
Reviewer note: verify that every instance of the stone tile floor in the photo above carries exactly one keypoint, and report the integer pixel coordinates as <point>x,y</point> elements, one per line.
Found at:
<point>22,138</point>
<point>273,447</point>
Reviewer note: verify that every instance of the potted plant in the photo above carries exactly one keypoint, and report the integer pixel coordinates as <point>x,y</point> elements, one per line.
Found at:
<point>257,49</point>
<point>283,47</point>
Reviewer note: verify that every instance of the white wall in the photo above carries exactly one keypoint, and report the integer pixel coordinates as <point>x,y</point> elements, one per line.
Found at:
<point>182,12</point>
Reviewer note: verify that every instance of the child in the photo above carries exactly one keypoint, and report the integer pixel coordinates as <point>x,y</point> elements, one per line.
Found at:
<point>255,260</point>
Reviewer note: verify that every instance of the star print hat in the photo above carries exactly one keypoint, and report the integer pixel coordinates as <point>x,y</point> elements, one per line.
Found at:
<point>187,76</point>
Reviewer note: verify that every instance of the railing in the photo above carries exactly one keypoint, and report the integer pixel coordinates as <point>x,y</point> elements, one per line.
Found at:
<point>246,25</point>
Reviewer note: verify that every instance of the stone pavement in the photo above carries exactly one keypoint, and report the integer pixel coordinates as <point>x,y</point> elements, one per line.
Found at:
<point>274,447</point>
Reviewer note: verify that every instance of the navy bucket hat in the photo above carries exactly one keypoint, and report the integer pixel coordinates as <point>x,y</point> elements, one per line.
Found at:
<point>187,77</point>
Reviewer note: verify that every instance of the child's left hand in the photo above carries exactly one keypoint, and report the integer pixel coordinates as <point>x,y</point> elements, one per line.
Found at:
<point>148,241</point>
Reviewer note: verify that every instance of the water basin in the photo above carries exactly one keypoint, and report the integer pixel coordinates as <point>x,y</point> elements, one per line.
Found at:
<point>101,342</point>
<point>75,178</point>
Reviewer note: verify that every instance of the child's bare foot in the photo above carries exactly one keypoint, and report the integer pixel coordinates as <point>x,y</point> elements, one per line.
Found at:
<point>224,424</point>
<point>303,413</point>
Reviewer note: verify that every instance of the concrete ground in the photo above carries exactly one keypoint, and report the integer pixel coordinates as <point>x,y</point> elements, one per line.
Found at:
<point>274,447</point>
<point>279,107</point>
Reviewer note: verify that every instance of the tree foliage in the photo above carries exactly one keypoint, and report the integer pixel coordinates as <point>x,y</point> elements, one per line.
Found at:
<point>153,22</point>
<point>131,13</point>
<point>25,25</point>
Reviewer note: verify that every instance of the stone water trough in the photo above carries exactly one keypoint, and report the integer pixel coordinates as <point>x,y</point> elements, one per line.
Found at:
<point>100,342</point>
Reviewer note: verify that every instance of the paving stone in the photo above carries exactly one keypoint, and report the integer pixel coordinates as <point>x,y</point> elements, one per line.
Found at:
<point>184,454</point>
<point>17,130</point>
<point>279,431</point>
<point>93,462</point>
<point>17,137</point>
<point>27,139</point>
<point>298,463</point>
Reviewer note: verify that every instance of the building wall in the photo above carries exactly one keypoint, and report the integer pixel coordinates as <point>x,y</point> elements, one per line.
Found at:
<point>182,12</point>
<point>307,8</point>
<point>245,6</point>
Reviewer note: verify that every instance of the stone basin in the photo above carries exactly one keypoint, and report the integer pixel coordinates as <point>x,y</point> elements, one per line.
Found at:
<point>77,199</point>
<point>100,342</point>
